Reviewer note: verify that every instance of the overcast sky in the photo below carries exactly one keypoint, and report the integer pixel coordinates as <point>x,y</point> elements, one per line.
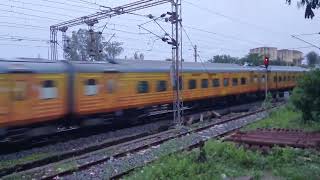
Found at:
<point>215,26</point>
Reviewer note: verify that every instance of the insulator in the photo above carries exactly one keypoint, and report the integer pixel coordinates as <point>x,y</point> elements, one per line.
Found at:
<point>164,39</point>
<point>163,15</point>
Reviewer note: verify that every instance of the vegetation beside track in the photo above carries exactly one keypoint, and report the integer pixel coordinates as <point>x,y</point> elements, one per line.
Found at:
<point>29,158</point>
<point>285,117</point>
<point>220,160</point>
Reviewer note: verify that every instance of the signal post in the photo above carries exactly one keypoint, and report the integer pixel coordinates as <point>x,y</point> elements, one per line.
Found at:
<point>266,64</point>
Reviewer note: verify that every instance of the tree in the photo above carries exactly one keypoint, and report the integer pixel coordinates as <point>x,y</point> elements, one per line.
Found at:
<point>138,56</point>
<point>310,6</point>
<point>306,97</point>
<point>113,49</point>
<point>313,59</point>
<point>223,59</point>
<point>141,56</point>
<point>252,60</point>
<point>84,45</point>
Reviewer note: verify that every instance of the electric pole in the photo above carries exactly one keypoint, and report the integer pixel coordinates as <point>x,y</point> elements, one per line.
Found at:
<point>177,62</point>
<point>96,17</point>
<point>266,64</point>
<point>195,53</point>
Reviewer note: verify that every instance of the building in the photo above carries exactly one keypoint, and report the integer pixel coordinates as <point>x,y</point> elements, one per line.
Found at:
<point>271,52</point>
<point>290,56</point>
<point>285,55</point>
<point>297,57</point>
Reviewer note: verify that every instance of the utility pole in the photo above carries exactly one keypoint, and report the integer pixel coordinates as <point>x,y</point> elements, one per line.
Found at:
<point>195,53</point>
<point>266,64</point>
<point>266,91</point>
<point>96,17</point>
<point>176,62</point>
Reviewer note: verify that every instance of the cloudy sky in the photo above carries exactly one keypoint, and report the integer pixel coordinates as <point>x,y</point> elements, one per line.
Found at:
<point>215,26</point>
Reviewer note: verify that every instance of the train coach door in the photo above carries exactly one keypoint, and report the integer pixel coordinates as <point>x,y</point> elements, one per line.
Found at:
<point>4,98</point>
<point>111,89</point>
<point>21,96</point>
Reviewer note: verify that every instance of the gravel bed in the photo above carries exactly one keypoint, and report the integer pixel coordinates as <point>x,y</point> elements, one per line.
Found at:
<point>10,160</point>
<point>114,166</point>
<point>73,163</point>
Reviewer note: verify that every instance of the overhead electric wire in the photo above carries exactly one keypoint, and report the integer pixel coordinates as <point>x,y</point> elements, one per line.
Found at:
<point>36,10</point>
<point>85,2</point>
<point>23,45</point>
<point>233,18</point>
<point>316,46</point>
<point>70,5</point>
<point>25,14</point>
<point>224,35</point>
<point>308,34</point>
<point>305,47</point>
<point>192,45</point>
<point>42,5</point>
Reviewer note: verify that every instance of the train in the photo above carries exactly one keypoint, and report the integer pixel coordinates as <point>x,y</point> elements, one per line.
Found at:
<point>41,96</point>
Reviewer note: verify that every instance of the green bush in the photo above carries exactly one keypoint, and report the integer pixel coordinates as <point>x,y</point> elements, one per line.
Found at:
<point>227,160</point>
<point>306,96</point>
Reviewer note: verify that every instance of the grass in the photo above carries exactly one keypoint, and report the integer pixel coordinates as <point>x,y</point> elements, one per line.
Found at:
<point>30,158</point>
<point>284,117</point>
<point>219,160</point>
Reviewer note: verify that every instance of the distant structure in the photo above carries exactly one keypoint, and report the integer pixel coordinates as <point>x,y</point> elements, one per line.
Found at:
<point>271,52</point>
<point>291,57</point>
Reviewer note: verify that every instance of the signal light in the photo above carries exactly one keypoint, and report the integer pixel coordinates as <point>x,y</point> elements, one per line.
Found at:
<point>266,62</point>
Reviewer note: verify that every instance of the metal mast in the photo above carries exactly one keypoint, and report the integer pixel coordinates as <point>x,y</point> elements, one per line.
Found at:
<point>176,62</point>
<point>104,14</point>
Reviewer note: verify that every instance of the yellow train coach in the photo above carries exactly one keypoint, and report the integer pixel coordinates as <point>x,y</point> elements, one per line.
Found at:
<point>41,95</point>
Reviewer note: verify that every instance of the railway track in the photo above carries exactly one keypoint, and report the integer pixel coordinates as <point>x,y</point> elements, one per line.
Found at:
<point>68,167</point>
<point>67,134</point>
<point>265,139</point>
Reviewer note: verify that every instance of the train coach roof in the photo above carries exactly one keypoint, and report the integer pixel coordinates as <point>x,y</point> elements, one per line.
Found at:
<point>154,66</point>
<point>46,66</point>
<point>164,66</point>
<point>32,65</point>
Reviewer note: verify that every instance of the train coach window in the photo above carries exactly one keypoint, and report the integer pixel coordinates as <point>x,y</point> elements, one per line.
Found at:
<point>289,78</point>
<point>180,84</point>
<point>161,86</point>
<point>48,90</point>
<point>280,78</point>
<point>20,89</point>
<point>263,79</point>
<point>255,79</point>
<point>234,81</point>
<point>143,87</point>
<point>226,82</point>
<point>275,79</point>
<point>91,88</point>
<point>204,83</point>
<point>216,83</point>
<point>243,81</point>
<point>110,86</point>
<point>192,84</point>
